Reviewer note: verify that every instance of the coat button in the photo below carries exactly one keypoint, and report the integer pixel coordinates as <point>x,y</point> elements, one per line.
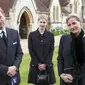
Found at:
<point>41,40</point>
<point>32,65</point>
<point>50,65</point>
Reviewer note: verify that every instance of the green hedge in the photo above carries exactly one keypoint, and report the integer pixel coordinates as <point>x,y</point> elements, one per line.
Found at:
<point>59,31</point>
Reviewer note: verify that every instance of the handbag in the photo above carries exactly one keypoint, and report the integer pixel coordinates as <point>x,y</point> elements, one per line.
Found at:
<point>42,77</point>
<point>76,71</point>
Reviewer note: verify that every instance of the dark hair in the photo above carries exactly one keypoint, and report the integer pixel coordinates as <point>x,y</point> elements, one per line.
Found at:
<point>73,16</point>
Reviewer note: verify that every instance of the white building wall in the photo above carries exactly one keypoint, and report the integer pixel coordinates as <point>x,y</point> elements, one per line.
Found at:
<point>79,4</point>
<point>55,3</point>
<point>79,11</point>
<point>58,22</point>
<point>14,13</point>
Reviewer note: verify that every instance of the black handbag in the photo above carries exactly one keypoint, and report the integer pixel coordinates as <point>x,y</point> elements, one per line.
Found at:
<point>42,77</point>
<point>76,71</point>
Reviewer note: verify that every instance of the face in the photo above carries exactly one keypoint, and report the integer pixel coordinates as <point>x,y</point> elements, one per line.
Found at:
<point>74,25</point>
<point>42,24</point>
<point>2,20</point>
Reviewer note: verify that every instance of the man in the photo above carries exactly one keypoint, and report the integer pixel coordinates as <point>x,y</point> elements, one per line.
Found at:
<point>10,54</point>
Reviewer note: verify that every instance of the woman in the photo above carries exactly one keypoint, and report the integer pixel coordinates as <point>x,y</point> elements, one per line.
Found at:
<point>41,47</point>
<point>71,55</point>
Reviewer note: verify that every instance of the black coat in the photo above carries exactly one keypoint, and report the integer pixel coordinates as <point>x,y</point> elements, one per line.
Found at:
<point>9,55</point>
<point>41,51</point>
<point>65,59</point>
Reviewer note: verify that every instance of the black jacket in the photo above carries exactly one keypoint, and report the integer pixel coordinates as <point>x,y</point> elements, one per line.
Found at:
<point>41,51</point>
<point>65,56</point>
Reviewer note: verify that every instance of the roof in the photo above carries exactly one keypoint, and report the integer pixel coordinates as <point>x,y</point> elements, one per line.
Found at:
<point>6,5</point>
<point>65,10</point>
<point>64,2</point>
<point>42,5</point>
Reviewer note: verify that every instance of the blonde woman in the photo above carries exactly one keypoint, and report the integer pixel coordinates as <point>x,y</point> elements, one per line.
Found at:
<point>41,47</point>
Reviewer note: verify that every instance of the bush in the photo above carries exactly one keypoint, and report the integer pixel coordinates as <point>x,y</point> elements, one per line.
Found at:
<point>59,31</point>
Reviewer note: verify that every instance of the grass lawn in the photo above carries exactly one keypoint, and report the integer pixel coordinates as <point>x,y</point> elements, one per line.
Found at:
<point>24,68</point>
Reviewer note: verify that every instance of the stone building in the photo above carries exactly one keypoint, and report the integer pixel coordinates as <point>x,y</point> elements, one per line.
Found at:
<point>22,14</point>
<point>59,10</point>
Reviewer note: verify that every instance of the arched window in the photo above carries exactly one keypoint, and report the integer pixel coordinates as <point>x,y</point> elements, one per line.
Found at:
<point>57,14</point>
<point>54,13</point>
<point>75,6</point>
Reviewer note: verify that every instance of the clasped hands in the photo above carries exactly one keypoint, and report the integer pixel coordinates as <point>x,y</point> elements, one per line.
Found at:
<point>67,77</point>
<point>11,71</point>
<point>41,67</point>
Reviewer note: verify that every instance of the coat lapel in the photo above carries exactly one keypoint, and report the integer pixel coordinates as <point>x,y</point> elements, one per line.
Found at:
<point>84,44</point>
<point>10,41</point>
<point>9,37</point>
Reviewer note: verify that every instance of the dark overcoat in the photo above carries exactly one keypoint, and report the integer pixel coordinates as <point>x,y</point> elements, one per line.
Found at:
<point>10,54</point>
<point>36,44</point>
<point>65,59</point>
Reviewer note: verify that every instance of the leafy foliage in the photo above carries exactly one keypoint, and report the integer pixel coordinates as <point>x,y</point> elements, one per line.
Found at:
<point>59,31</point>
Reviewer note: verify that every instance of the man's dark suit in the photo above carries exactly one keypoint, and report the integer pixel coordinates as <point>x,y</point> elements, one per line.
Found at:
<point>65,59</point>
<point>9,55</point>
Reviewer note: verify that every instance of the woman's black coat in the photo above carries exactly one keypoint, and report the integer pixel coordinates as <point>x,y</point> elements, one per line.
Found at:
<point>65,59</point>
<point>41,51</point>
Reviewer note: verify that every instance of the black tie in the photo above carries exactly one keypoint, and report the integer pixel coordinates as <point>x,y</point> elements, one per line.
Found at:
<point>4,38</point>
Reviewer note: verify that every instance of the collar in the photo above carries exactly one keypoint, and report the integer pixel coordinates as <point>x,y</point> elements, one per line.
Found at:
<point>0,31</point>
<point>4,29</point>
<point>38,33</point>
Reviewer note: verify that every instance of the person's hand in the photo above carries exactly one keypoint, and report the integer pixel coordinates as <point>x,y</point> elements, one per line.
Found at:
<point>41,66</point>
<point>11,71</point>
<point>67,77</point>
